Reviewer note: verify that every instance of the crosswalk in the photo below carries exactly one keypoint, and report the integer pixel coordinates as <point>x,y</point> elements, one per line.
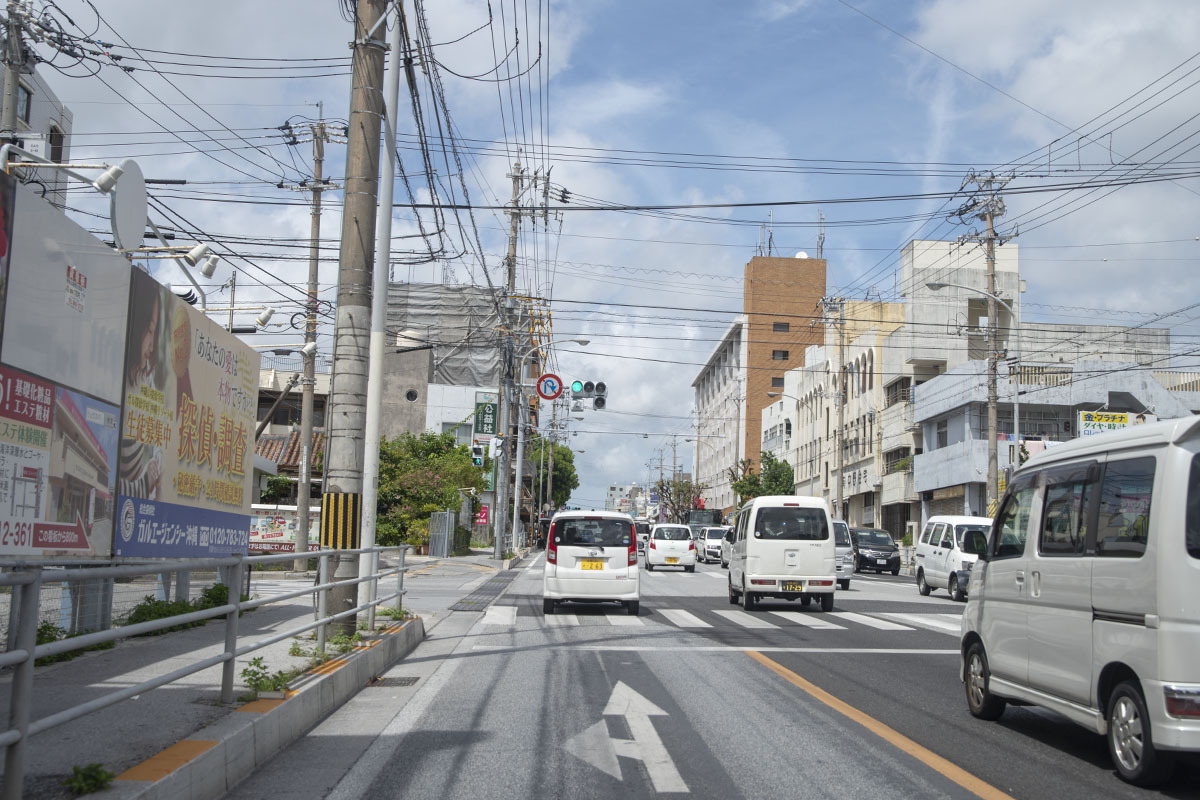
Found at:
<point>700,620</point>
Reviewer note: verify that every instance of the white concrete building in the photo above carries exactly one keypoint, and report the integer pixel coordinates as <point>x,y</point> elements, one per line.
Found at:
<point>44,129</point>
<point>721,416</point>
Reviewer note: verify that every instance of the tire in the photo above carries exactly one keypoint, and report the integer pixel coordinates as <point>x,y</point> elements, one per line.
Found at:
<point>827,602</point>
<point>547,606</point>
<point>805,600</point>
<point>749,601</point>
<point>922,586</point>
<point>633,607</point>
<point>956,593</point>
<point>724,565</point>
<point>649,566</point>
<point>733,598</point>
<point>896,571</point>
<point>845,584</point>
<point>1129,743</point>
<point>980,701</point>
<point>692,568</point>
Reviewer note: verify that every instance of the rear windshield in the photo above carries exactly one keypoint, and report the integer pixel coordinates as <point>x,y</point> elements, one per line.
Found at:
<point>789,522</point>
<point>643,528</point>
<point>959,530</point>
<point>675,533</point>
<point>874,537</point>
<point>714,533</point>
<point>593,532</point>
<point>1193,509</point>
<point>841,534</point>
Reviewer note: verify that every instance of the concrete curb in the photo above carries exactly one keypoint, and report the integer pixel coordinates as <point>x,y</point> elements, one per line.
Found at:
<point>215,759</point>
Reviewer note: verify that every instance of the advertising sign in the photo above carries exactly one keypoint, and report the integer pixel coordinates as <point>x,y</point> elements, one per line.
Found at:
<point>67,301</point>
<point>485,419</point>
<point>187,431</point>
<point>1094,422</point>
<point>482,517</point>
<point>273,529</point>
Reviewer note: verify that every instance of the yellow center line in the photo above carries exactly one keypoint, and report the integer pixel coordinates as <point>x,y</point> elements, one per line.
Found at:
<point>923,754</point>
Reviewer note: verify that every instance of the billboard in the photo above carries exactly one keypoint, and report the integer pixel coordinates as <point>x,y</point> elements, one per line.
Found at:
<point>1094,422</point>
<point>187,431</point>
<point>273,529</point>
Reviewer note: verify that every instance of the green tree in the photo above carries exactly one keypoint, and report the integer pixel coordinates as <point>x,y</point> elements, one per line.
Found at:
<point>419,474</point>
<point>676,497</point>
<point>278,488</point>
<point>774,477</point>
<point>566,480</point>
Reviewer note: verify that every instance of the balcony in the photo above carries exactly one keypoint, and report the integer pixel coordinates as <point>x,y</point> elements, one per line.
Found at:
<point>959,463</point>
<point>898,488</point>
<point>894,420</point>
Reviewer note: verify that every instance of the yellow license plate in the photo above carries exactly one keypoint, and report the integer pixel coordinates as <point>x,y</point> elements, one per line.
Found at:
<point>672,560</point>
<point>591,563</point>
<point>793,586</point>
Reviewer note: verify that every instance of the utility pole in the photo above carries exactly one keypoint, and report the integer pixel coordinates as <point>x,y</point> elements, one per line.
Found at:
<point>232,301</point>
<point>828,306</point>
<point>14,60</point>
<point>348,385</point>
<point>508,369</point>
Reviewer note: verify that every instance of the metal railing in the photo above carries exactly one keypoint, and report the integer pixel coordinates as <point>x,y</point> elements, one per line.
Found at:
<point>26,579</point>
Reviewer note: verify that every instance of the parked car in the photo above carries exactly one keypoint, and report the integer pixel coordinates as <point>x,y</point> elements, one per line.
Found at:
<point>709,547</point>
<point>783,547</point>
<point>671,546</point>
<point>1087,598</point>
<point>875,550</point>
<point>844,547</point>
<point>643,533</point>
<point>590,556</point>
<point>946,550</point>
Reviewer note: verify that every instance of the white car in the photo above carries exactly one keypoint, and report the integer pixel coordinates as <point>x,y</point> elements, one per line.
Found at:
<point>783,547</point>
<point>709,545</point>
<point>591,556</point>
<point>944,557</point>
<point>671,546</point>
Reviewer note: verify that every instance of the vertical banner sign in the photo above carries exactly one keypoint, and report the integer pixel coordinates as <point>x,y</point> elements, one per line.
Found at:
<point>485,419</point>
<point>187,431</point>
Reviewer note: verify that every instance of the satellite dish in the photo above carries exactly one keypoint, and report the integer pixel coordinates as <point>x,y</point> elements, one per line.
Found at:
<point>802,254</point>
<point>127,207</point>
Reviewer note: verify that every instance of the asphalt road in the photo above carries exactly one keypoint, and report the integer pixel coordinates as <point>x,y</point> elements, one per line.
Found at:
<point>693,696</point>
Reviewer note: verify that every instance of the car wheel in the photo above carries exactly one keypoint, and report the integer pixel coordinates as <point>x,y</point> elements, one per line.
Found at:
<point>733,598</point>
<point>692,568</point>
<point>724,565</point>
<point>980,701</point>
<point>749,601</point>
<point>955,592</point>
<point>845,584</point>
<point>827,602</point>
<point>922,586</point>
<point>805,600</point>
<point>1129,743</point>
<point>547,605</point>
<point>649,566</point>
<point>632,607</point>
<point>895,570</point>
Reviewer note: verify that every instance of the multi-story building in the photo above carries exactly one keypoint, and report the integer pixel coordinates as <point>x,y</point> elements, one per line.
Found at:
<point>780,300</point>
<point>614,496</point>
<point>44,129</point>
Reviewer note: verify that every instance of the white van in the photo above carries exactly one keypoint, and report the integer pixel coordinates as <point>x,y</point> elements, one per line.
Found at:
<point>1087,599</point>
<point>783,547</point>
<point>591,556</point>
<point>945,553</point>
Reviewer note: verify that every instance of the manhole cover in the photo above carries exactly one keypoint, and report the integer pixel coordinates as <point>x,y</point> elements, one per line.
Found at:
<point>387,683</point>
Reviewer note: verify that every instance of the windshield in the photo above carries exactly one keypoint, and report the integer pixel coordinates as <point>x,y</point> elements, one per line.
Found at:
<point>841,534</point>
<point>714,533</point>
<point>593,532</point>
<point>876,538</point>
<point>674,533</point>
<point>790,522</point>
<point>959,530</point>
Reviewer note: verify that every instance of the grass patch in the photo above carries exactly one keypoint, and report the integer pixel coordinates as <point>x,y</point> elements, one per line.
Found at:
<point>48,632</point>
<point>92,778</point>
<point>151,609</point>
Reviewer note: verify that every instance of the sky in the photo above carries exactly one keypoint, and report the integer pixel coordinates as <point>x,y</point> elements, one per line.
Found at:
<point>676,102</point>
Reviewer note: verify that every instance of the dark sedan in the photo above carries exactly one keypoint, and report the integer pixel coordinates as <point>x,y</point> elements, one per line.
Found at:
<point>875,550</point>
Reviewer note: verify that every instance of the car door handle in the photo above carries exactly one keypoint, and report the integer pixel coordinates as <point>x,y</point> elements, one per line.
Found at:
<point>1020,578</point>
<point>1035,583</point>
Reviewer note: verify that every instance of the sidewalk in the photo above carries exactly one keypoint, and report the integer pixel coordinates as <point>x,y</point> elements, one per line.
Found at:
<point>127,736</point>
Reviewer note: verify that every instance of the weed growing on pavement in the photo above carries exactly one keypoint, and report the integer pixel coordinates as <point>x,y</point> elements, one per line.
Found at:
<point>296,649</point>
<point>259,679</point>
<point>343,643</point>
<point>393,613</point>
<point>49,632</point>
<point>92,778</point>
<point>150,609</point>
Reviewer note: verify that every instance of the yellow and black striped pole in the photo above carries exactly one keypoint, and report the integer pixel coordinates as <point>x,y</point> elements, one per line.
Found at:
<point>341,520</point>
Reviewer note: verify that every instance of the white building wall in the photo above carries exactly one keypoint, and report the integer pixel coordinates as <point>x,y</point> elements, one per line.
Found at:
<point>46,113</point>
<point>721,416</point>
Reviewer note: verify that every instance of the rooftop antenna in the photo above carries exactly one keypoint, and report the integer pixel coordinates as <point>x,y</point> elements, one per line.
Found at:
<point>820,234</point>
<point>770,232</point>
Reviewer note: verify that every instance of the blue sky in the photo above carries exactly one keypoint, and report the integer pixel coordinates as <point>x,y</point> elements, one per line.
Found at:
<point>750,81</point>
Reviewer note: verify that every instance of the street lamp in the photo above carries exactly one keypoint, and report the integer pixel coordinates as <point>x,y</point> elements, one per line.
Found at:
<point>993,465</point>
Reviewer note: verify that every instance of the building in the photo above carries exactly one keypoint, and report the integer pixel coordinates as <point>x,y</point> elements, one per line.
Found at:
<point>44,129</point>
<point>280,442</point>
<point>780,300</point>
<point>614,496</point>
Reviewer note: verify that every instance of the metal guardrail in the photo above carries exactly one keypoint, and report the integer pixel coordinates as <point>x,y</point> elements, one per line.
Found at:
<point>26,581</point>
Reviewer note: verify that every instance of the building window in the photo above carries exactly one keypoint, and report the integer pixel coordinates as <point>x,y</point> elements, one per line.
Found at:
<point>24,104</point>
<point>943,433</point>
<point>781,327</point>
<point>779,355</point>
<point>777,383</point>
<point>56,145</point>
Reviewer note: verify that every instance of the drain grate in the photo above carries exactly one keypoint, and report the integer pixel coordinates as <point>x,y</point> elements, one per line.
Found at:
<point>479,599</point>
<point>388,683</point>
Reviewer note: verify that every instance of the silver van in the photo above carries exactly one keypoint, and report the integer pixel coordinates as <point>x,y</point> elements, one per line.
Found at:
<point>1086,600</point>
<point>783,547</point>
<point>844,548</point>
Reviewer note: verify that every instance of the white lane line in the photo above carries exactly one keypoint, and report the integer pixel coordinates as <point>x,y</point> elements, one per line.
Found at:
<point>808,620</point>
<point>745,620</point>
<point>942,623</point>
<point>623,621</point>
<point>718,575</point>
<point>719,648</point>
<point>650,574</point>
<point>683,619</point>
<point>535,562</point>
<point>870,622</point>
<point>561,620</point>
<point>500,615</point>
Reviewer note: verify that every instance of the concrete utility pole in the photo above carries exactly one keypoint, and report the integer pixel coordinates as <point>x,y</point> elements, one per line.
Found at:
<point>14,60</point>
<point>829,305</point>
<point>507,369</point>
<point>232,299</point>
<point>348,385</point>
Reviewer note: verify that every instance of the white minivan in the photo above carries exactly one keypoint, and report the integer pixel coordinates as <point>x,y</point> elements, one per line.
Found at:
<point>783,547</point>
<point>1087,598</point>
<point>945,553</point>
<point>591,556</point>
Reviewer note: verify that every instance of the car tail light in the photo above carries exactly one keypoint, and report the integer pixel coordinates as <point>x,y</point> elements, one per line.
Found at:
<point>652,547</point>
<point>820,583</point>
<point>1182,702</point>
<point>633,548</point>
<point>691,545</point>
<point>762,581</point>
<point>551,547</point>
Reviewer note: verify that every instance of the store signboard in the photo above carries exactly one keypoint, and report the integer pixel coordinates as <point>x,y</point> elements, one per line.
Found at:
<point>273,529</point>
<point>1094,422</point>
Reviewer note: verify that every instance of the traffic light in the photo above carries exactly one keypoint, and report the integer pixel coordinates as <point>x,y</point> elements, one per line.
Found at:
<point>600,398</point>
<point>582,389</point>
<point>477,455</point>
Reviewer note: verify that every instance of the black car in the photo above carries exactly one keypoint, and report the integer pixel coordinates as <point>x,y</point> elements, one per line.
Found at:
<point>875,550</point>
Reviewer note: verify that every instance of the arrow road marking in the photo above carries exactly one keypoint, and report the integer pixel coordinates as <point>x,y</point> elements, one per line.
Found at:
<point>597,748</point>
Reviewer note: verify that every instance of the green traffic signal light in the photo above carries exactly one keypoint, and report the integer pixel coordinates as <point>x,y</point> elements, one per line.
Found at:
<point>577,386</point>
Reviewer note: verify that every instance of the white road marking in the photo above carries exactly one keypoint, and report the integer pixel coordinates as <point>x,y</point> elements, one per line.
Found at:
<point>942,623</point>
<point>721,648</point>
<point>718,575</point>
<point>682,618</point>
<point>500,615</point>
<point>651,573</point>
<point>870,622</point>
<point>623,621</point>
<point>561,620</point>
<point>808,620</point>
<point>745,620</point>
<point>535,562</point>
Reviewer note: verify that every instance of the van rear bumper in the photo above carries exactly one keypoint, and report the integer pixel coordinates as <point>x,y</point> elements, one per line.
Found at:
<point>1168,732</point>
<point>776,589</point>
<point>589,589</point>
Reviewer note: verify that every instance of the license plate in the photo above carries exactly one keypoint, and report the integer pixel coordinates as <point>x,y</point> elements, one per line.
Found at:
<point>671,560</point>
<point>591,563</point>
<point>882,560</point>
<point>793,586</point>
